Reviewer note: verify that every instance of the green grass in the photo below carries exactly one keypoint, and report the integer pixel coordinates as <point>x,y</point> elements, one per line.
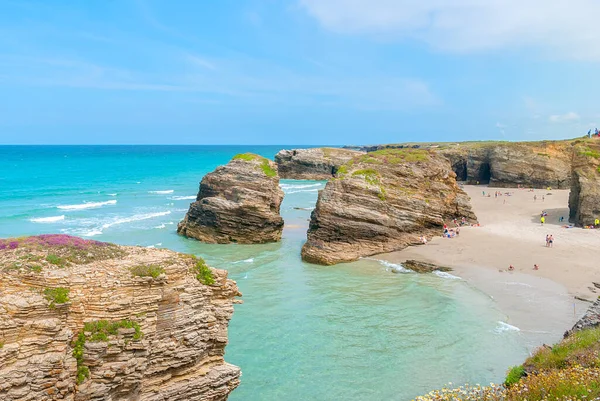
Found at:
<point>147,271</point>
<point>100,330</point>
<point>265,166</point>
<point>202,271</point>
<point>404,155</point>
<point>372,177</point>
<point>577,349</point>
<point>1,344</point>
<point>83,372</point>
<point>514,375</point>
<point>56,260</point>
<point>56,296</point>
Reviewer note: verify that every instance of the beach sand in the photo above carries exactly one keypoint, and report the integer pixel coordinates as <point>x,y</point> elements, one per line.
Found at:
<point>511,233</point>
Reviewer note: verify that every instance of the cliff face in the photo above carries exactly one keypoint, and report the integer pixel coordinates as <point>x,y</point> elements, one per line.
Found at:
<point>238,202</point>
<point>506,164</point>
<point>86,320</point>
<point>536,164</point>
<point>382,202</point>
<point>584,199</point>
<point>312,164</point>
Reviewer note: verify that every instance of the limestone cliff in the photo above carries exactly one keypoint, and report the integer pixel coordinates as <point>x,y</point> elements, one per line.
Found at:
<point>312,164</point>
<point>584,199</point>
<point>87,320</point>
<point>238,202</point>
<point>505,164</point>
<point>381,202</point>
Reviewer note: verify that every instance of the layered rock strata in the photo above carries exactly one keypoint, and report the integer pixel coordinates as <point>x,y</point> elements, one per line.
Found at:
<point>312,164</point>
<point>584,198</point>
<point>237,203</point>
<point>381,202</point>
<point>505,164</point>
<point>86,320</point>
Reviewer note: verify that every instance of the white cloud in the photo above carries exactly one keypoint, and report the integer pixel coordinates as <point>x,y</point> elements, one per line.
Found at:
<point>561,118</point>
<point>500,125</point>
<point>558,27</point>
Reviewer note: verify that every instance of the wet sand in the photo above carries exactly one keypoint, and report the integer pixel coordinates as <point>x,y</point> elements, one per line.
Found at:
<point>511,233</point>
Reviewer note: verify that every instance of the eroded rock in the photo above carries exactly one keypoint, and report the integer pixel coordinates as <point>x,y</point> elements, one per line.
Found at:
<point>121,323</point>
<point>312,164</point>
<point>381,202</point>
<point>584,198</point>
<point>238,202</point>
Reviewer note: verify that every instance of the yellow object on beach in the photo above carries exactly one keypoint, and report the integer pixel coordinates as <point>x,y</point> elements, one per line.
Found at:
<point>543,219</point>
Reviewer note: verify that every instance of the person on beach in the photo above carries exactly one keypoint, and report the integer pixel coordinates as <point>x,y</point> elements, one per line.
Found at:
<point>550,241</point>
<point>543,198</point>
<point>596,222</point>
<point>543,219</point>
<point>483,193</point>
<point>423,240</point>
<point>534,198</point>
<point>511,268</point>
<point>562,218</point>
<point>536,267</point>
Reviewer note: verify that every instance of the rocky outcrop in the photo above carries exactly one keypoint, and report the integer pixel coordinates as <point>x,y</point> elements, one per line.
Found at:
<point>238,202</point>
<point>505,164</point>
<point>381,202</point>
<point>312,164</point>
<point>86,320</point>
<point>424,267</point>
<point>590,320</point>
<point>584,198</point>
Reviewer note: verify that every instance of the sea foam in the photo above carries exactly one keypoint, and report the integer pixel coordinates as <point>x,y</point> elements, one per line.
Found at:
<point>183,197</point>
<point>87,205</point>
<point>250,260</point>
<point>396,268</point>
<point>47,219</point>
<point>299,186</point>
<point>502,327</point>
<point>446,275</point>
<point>168,191</point>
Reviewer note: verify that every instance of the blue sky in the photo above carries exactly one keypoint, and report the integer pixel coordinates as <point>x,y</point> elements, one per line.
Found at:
<point>297,71</point>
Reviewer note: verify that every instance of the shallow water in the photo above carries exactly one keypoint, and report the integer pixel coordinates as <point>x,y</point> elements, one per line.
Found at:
<point>352,331</point>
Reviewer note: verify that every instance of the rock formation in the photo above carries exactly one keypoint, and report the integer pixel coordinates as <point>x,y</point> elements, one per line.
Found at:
<point>312,164</point>
<point>584,199</point>
<point>238,202</point>
<point>505,164</point>
<point>87,320</point>
<point>590,320</point>
<point>381,202</point>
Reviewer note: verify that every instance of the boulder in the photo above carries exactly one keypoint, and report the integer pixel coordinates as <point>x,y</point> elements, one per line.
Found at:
<point>312,164</point>
<point>237,203</point>
<point>86,320</point>
<point>381,202</point>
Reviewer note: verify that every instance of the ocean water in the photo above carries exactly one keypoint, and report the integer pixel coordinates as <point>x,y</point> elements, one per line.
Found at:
<point>348,332</point>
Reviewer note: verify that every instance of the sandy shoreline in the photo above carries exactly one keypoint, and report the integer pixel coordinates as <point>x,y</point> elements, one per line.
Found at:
<point>510,233</point>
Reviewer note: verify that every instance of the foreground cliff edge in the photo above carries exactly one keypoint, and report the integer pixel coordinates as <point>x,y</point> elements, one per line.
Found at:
<point>381,202</point>
<point>237,203</point>
<point>569,370</point>
<point>83,320</point>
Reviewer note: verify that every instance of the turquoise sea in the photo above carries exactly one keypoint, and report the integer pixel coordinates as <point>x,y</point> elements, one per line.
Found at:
<point>348,332</point>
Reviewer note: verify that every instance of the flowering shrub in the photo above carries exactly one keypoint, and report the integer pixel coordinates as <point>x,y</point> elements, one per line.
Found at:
<point>573,383</point>
<point>493,392</point>
<point>65,249</point>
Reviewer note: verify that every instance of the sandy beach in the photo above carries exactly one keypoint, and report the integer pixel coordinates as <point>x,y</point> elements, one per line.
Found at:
<point>510,232</point>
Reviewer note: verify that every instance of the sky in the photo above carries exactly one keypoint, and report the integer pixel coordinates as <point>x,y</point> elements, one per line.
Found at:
<point>329,72</point>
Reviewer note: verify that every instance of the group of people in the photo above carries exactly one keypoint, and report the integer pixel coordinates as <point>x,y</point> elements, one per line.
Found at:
<point>589,134</point>
<point>512,268</point>
<point>535,198</point>
<point>549,240</point>
<point>451,232</point>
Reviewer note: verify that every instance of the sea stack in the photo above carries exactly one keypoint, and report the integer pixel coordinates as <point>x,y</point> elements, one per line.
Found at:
<point>584,198</point>
<point>381,202</point>
<point>237,203</point>
<point>312,164</point>
<point>88,320</point>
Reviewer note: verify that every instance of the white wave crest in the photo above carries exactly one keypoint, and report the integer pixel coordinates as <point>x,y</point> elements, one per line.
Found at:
<point>91,233</point>
<point>516,283</point>
<point>446,275</point>
<point>87,205</point>
<point>115,194</point>
<point>161,226</point>
<point>243,261</point>
<point>183,197</point>
<point>47,219</point>
<point>303,190</point>
<point>396,268</point>
<point>293,186</point>
<point>168,191</point>
<point>503,327</point>
<point>135,217</point>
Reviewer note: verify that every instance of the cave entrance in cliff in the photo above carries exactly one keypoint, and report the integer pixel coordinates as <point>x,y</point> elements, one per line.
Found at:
<point>485,173</point>
<point>461,171</point>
